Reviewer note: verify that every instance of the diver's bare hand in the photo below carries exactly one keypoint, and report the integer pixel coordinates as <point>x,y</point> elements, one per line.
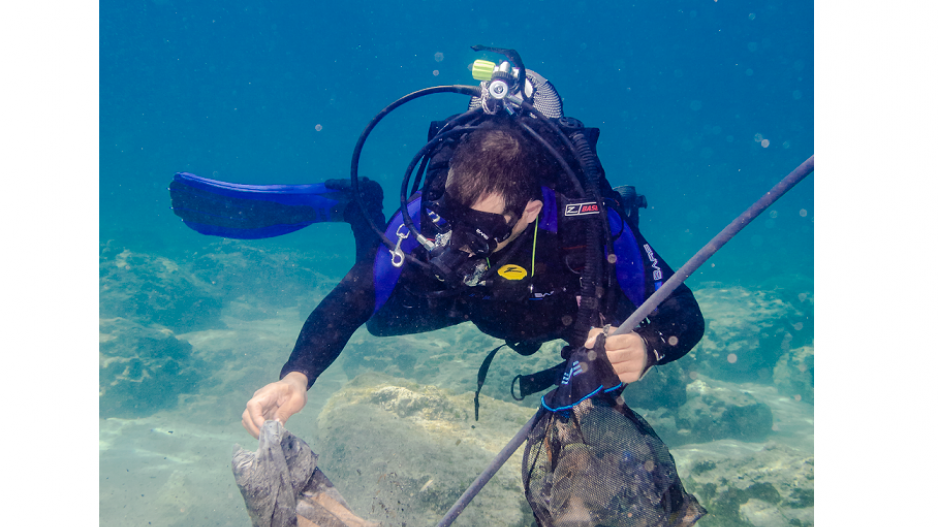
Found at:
<point>626,352</point>
<point>277,401</point>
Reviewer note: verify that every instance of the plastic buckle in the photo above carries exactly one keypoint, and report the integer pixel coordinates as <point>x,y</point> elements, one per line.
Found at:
<point>513,381</point>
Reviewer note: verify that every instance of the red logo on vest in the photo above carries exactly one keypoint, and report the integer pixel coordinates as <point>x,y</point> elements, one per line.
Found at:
<point>581,209</point>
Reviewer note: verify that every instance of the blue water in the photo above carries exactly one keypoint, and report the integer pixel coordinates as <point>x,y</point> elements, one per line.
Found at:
<point>680,90</point>
<point>703,106</point>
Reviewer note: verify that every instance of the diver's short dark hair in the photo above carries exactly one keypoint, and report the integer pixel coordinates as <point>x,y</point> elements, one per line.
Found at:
<point>498,159</point>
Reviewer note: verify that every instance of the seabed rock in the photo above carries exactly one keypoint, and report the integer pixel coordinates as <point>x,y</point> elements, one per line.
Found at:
<point>747,332</point>
<point>794,374</point>
<point>663,387</point>
<point>143,369</point>
<point>769,487</point>
<point>718,412</point>
<point>402,453</point>
<point>156,289</point>
<point>266,280</point>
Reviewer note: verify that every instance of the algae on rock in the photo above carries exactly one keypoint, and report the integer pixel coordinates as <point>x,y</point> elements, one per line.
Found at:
<point>772,486</point>
<point>401,452</point>
<point>794,374</point>
<point>143,369</point>
<point>747,332</point>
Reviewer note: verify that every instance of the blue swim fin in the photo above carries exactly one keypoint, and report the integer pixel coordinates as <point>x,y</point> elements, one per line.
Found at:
<point>230,210</point>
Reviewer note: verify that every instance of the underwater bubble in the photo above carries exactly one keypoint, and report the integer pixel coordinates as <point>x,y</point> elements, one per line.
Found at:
<point>672,340</point>
<point>796,94</point>
<point>716,130</point>
<point>757,138</point>
<point>765,143</point>
<point>798,326</point>
<point>773,214</point>
<point>802,367</point>
<point>731,358</point>
<point>611,258</point>
<point>749,72</point>
<point>803,213</point>
<point>786,145</point>
<point>696,105</point>
<point>775,427</point>
<point>438,56</point>
<point>566,320</point>
<point>752,46</point>
<point>752,16</point>
<point>649,465</point>
<point>797,397</point>
<point>318,127</point>
<point>436,73</point>
<point>802,296</point>
<point>729,139</point>
<point>693,375</point>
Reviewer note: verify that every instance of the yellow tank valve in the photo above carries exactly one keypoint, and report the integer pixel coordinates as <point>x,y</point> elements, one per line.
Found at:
<point>482,70</point>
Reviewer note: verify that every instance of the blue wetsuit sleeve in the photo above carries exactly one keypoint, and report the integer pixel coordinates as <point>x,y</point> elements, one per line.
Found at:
<point>329,327</point>
<point>677,325</point>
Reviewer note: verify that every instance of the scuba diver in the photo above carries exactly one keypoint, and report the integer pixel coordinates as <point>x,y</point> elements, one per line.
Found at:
<point>509,224</point>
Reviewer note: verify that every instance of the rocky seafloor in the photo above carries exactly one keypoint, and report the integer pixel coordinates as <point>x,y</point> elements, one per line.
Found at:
<point>185,341</point>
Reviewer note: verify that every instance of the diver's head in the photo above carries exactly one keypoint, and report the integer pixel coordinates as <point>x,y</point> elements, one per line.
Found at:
<point>492,194</point>
<point>496,160</point>
<point>495,173</point>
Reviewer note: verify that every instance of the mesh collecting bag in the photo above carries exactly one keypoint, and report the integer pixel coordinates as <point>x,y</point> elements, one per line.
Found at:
<point>591,461</point>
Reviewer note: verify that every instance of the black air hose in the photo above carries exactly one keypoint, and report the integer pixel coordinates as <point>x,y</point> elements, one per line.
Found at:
<point>587,315</point>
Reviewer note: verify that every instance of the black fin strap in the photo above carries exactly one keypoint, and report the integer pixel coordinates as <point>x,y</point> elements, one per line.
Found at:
<point>483,371</point>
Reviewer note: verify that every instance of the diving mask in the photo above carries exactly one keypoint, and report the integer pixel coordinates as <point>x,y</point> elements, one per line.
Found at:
<point>459,255</point>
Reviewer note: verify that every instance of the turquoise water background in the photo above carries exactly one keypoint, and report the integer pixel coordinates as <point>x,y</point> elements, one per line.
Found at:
<point>264,92</point>
<point>702,105</point>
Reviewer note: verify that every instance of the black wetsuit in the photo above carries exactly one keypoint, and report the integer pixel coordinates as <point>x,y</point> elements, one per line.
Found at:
<point>530,310</point>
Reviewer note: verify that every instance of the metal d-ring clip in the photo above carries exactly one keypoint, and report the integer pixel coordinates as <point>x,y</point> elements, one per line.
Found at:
<point>397,255</point>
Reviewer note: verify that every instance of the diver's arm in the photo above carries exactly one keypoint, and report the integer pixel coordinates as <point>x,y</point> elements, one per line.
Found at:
<point>322,338</point>
<point>676,325</point>
<point>329,327</point>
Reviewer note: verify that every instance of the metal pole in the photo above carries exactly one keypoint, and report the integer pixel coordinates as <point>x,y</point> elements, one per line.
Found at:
<point>715,244</point>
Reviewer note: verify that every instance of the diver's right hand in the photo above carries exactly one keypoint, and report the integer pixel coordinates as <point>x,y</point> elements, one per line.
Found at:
<point>278,401</point>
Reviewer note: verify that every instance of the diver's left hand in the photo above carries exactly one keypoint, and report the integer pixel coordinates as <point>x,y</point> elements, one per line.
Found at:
<point>626,352</point>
